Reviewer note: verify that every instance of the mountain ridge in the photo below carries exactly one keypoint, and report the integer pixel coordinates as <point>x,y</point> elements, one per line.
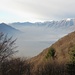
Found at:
<point>6,29</point>
<point>65,21</point>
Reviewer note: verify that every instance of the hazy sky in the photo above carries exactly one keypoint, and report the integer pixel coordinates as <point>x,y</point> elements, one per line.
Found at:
<point>36,10</point>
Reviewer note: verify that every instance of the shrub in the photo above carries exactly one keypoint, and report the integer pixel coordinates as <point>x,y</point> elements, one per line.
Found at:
<point>15,66</point>
<point>71,64</point>
<point>51,53</point>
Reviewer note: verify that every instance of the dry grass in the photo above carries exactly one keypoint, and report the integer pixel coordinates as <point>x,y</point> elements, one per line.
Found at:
<point>62,48</point>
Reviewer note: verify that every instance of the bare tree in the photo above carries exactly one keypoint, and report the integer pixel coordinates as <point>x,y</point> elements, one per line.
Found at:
<point>7,46</point>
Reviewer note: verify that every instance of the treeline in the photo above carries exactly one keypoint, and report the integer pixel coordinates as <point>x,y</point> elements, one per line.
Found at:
<point>10,65</point>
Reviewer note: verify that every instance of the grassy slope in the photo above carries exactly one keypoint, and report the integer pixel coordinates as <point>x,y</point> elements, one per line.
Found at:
<point>62,48</point>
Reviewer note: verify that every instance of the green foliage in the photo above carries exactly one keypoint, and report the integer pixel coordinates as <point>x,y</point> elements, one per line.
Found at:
<point>72,54</point>
<point>71,64</point>
<point>51,53</point>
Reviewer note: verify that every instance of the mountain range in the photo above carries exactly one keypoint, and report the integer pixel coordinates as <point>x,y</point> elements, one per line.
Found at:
<point>56,27</point>
<point>56,24</point>
<point>39,35</point>
<point>66,24</point>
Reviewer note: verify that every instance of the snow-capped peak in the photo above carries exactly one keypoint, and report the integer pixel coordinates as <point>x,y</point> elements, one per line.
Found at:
<point>68,19</point>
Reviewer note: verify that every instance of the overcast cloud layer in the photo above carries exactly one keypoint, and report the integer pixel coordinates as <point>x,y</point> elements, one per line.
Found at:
<point>36,10</point>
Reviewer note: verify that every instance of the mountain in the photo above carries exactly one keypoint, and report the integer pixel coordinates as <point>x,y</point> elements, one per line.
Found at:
<point>62,49</point>
<point>67,25</point>
<point>61,23</point>
<point>41,34</point>
<point>8,29</point>
<point>21,24</point>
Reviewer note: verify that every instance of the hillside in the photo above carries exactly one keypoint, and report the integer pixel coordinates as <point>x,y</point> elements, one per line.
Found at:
<point>62,48</point>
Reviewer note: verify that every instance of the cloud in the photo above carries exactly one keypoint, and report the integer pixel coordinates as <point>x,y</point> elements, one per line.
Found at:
<point>39,10</point>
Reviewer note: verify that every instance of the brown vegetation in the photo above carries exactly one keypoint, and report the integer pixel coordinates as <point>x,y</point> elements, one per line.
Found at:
<point>59,59</point>
<point>15,66</point>
<point>62,48</point>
